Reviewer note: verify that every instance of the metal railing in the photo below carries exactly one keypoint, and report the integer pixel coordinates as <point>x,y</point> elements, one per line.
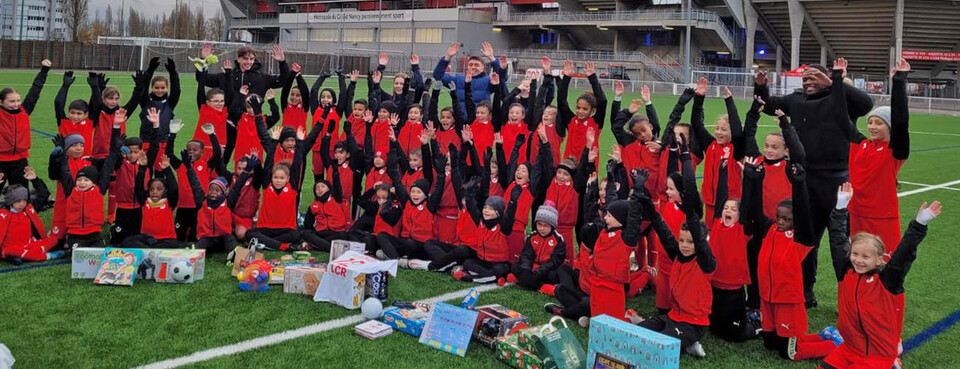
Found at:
<point>656,65</point>
<point>255,22</point>
<point>627,15</point>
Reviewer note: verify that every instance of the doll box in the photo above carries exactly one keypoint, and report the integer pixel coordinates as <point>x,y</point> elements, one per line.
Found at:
<point>409,321</point>
<point>618,344</point>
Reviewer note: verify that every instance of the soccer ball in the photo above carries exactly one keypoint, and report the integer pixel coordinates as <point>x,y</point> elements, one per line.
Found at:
<point>181,272</point>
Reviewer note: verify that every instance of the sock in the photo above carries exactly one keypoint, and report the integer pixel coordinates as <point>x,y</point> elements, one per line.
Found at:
<point>284,246</point>
<point>637,281</point>
<point>812,350</point>
<point>548,289</point>
<point>512,278</point>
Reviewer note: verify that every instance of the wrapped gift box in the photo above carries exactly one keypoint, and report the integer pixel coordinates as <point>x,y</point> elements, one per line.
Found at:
<point>409,321</point>
<point>495,321</point>
<point>616,343</point>
<point>510,352</point>
<point>303,279</point>
<point>344,283</point>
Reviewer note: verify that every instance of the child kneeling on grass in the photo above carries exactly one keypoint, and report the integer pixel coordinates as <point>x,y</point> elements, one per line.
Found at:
<point>867,322</point>
<point>543,253</point>
<point>22,235</point>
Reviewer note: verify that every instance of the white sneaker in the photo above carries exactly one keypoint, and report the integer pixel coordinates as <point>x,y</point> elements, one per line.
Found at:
<point>403,263</point>
<point>380,255</point>
<point>584,321</point>
<point>696,350</point>
<point>418,264</point>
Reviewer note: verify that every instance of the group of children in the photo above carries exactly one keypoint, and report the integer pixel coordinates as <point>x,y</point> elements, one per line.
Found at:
<point>482,190</point>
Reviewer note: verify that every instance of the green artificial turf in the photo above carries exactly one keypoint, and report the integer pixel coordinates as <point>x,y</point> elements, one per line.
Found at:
<point>51,321</point>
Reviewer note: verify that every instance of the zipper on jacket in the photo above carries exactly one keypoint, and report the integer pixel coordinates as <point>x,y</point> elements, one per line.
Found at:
<point>773,244</point>
<point>856,298</point>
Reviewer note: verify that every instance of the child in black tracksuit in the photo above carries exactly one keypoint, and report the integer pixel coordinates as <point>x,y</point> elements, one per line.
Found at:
<point>164,94</point>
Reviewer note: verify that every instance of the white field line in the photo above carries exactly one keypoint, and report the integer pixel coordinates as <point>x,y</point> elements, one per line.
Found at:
<point>928,188</point>
<point>928,185</point>
<point>276,338</point>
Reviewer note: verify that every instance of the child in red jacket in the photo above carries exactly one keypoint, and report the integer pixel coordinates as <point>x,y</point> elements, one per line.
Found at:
<point>416,223</point>
<point>591,109</point>
<point>15,124</point>
<point>489,259</point>
<point>786,242</point>
<point>543,253</point>
<point>565,184</point>
<point>22,235</point>
<point>722,152</point>
<point>203,165</point>
<point>692,269</point>
<point>77,120</point>
<point>214,214</point>
<point>295,98</point>
<point>870,320</point>
<point>325,219</point>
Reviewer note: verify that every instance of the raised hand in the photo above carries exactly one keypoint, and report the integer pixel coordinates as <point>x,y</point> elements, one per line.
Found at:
<point>92,79</point>
<point>414,59</point>
<point>844,194</point>
<point>46,63</point>
<point>901,66</point>
<point>154,63</point>
<point>683,144</point>
<point>28,174</point>
<point>568,67</point>
<point>278,53</point>
<point>207,128</point>
<point>383,59</point>
<point>206,50</point>
<point>227,64</point>
<point>726,92</point>
<point>467,78</point>
<point>185,157</point>
<point>701,86</point>
<point>368,116</point>
<point>301,133</point>
<point>594,154</point>
<point>467,134</point>
<point>653,146</point>
<point>68,78</point>
<point>377,76</point>
<point>165,163</point>
<point>618,88</point>
<point>591,136</point>
<point>275,132</point>
<point>645,93</point>
<point>615,153</point>
<point>394,119</point>
<point>927,213</point>
<point>545,63</point>
<point>494,78</point>
<point>753,169</point>
<point>840,64</point>
<point>590,69</point>
<point>487,50</point>
<point>176,124</point>
<point>639,177</point>
<point>497,138</point>
<point>634,106</point>
<point>153,116</point>
<point>796,173</point>
<point>244,90</point>
<point>296,68</point>
<point>142,159</point>
<point>760,102</point>
<point>119,117</point>
<point>760,79</point>
<point>270,94</point>
<point>503,61</point>
<point>452,50</point>
<point>542,132</point>
<point>170,65</point>
<point>354,75</point>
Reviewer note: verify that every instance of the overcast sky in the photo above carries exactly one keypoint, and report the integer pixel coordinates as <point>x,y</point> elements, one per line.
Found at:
<point>152,7</point>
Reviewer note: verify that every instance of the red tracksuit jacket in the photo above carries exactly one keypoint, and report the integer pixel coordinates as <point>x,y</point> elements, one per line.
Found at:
<point>214,222</point>
<point>873,174</point>
<point>778,270</point>
<point>729,245</point>
<point>279,210</point>
<point>328,215</point>
<point>158,220</point>
<point>715,154</point>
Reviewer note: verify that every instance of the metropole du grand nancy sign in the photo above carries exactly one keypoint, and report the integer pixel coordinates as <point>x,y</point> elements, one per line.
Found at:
<point>353,16</point>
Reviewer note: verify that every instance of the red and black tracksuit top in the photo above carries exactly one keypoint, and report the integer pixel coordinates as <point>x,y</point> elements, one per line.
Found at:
<point>279,209</point>
<point>871,304</point>
<point>19,228</point>
<point>409,136</point>
<point>730,245</point>
<point>543,252</point>
<point>84,128</point>
<point>15,124</point>
<point>158,219</point>
<point>219,121</point>
<point>214,221</point>
<point>690,276</point>
<point>328,215</point>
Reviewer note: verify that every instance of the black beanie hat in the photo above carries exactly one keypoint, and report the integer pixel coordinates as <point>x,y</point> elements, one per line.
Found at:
<point>422,184</point>
<point>619,210</point>
<point>389,106</point>
<point>287,132</point>
<point>90,172</point>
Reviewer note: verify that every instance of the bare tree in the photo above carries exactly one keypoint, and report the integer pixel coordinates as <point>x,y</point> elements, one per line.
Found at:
<point>215,26</point>
<point>75,17</point>
<point>135,24</point>
<point>108,26</point>
<point>199,28</point>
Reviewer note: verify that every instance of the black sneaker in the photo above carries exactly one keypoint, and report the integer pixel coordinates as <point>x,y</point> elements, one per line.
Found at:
<point>553,309</point>
<point>811,304</point>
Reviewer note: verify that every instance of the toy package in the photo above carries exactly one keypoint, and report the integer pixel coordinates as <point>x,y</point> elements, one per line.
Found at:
<point>242,257</point>
<point>86,262</point>
<point>180,266</point>
<point>340,247</point>
<point>407,320</point>
<point>344,283</point>
<point>118,267</point>
<point>495,321</point>
<point>618,344</point>
<point>303,279</point>
<point>376,286</point>
<point>449,328</point>
<point>510,352</point>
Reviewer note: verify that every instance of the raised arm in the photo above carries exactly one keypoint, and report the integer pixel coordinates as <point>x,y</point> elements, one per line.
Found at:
<point>750,147</point>
<point>797,153</point>
<point>30,101</point>
<point>896,270</point>
<point>601,114</point>
<point>802,216</point>
<point>94,106</point>
<point>174,83</point>
<point>314,96</point>
<point>736,128</point>
<point>900,113</point>
<point>436,195</point>
<point>839,232</point>
<point>564,114</point>
<point>196,188</point>
<point>676,115</point>
<point>60,102</point>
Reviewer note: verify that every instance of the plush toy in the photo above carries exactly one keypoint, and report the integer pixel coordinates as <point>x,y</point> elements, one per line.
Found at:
<point>255,276</point>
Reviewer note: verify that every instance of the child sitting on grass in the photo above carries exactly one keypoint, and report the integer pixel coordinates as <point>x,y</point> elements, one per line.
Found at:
<point>22,235</point>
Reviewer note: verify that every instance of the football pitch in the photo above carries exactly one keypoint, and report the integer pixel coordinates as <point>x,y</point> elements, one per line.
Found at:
<point>49,320</point>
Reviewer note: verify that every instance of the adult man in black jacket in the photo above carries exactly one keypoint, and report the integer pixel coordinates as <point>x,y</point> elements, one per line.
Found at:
<point>246,73</point>
<point>824,134</point>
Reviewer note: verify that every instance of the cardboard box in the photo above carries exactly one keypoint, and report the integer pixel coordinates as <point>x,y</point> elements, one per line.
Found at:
<point>509,352</point>
<point>376,286</point>
<point>616,343</point>
<point>344,283</point>
<point>86,261</point>
<point>409,321</point>
<point>172,262</point>
<point>303,279</point>
<point>496,321</point>
<point>240,259</point>
<point>340,247</point>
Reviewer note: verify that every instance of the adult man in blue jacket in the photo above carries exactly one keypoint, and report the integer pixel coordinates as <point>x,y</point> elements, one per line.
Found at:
<point>480,84</point>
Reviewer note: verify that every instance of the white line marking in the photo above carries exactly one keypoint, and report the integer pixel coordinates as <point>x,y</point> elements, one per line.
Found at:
<point>276,338</point>
<point>928,185</point>
<point>928,188</point>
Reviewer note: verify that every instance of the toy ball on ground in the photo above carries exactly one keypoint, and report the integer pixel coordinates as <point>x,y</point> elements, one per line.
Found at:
<point>371,308</point>
<point>182,272</point>
<point>255,276</point>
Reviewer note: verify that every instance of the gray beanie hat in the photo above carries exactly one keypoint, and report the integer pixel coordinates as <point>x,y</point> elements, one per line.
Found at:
<point>882,112</point>
<point>72,139</point>
<point>16,193</point>
<point>548,214</point>
<point>497,203</point>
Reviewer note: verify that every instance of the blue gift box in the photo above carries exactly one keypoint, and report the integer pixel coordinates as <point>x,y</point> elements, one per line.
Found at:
<point>409,321</point>
<point>615,343</point>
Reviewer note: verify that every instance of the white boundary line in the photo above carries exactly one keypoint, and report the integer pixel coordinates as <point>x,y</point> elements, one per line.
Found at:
<point>276,338</point>
<point>944,185</point>
<point>928,185</point>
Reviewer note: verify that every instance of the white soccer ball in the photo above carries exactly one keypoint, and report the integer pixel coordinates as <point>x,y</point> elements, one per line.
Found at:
<point>371,308</point>
<point>181,272</point>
